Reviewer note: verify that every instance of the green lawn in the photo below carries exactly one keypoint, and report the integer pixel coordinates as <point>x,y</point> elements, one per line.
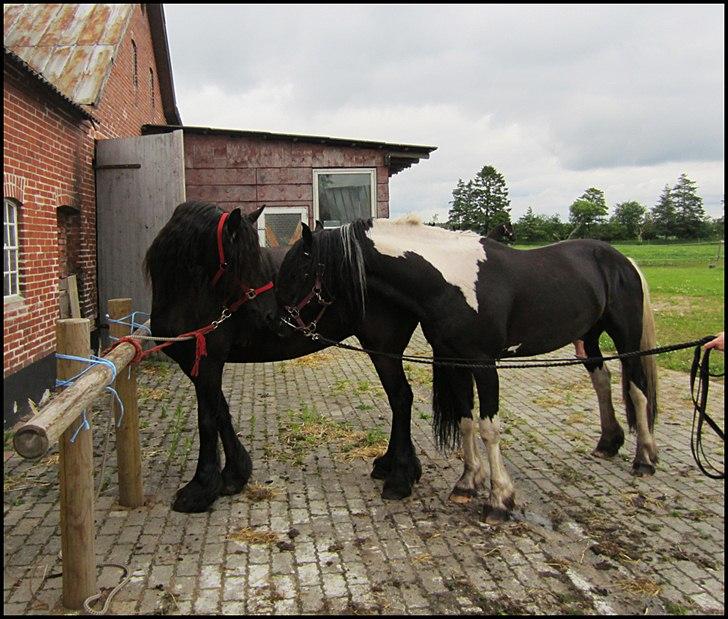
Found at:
<point>686,285</point>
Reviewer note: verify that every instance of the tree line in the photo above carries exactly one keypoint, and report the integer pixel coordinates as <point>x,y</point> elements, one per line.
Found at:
<point>482,203</point>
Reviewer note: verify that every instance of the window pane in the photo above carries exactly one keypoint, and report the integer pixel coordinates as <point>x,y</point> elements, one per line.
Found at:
<point>6,286</point>
<point>344,198</point>
<point>9,212</point>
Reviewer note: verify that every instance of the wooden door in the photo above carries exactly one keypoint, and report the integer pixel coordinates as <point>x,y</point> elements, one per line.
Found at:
<point>139,183</point>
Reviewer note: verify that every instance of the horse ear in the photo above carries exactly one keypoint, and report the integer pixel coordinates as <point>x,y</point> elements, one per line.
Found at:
<point>319,225</point>
<point>306,236</point>
<point>233,221</point>
<point>253,217</point>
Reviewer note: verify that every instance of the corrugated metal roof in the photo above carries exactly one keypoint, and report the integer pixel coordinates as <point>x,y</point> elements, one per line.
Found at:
<point>71,45</point>
<point>10,57</point>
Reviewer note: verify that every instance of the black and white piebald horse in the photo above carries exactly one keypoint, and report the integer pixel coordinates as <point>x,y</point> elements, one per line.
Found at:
<point>480,300</point>
<point>205,265</point>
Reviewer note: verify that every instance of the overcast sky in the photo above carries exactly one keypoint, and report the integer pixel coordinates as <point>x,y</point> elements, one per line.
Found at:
<point>557,98</point>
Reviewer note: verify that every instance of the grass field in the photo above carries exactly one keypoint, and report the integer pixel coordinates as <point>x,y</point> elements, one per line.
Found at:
<point>687,288</point>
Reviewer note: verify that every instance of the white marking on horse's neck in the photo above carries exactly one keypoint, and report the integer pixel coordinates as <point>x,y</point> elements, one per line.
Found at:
<point>456,255</point>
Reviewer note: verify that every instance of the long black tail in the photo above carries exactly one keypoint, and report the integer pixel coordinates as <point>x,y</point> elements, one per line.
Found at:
<point>452,399</point>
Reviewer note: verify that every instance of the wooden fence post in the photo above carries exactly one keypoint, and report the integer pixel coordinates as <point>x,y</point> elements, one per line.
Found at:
<point>76,476</point>
<point>128,456</point>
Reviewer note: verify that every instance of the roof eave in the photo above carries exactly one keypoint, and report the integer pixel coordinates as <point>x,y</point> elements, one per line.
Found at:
<point>158,27</point>
<point>76,107</point>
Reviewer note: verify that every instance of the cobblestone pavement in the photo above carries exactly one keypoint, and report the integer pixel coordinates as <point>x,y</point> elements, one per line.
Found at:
<point>312,535</point>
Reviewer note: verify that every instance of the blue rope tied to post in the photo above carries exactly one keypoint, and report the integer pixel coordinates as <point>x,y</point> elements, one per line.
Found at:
<point>133,326</point>
<point>92,361</point>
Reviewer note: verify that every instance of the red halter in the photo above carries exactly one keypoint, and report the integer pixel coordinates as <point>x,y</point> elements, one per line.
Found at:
<point>199,334</point>
<point>250,293</point>
<point>220,249</point>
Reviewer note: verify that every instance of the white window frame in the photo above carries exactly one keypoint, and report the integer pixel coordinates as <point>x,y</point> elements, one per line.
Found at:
<point>14,274</point>
<point>373,185</point>
<point>273,210</point>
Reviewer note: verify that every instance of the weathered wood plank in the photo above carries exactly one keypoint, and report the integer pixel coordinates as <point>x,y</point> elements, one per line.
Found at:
<point>133,205</point>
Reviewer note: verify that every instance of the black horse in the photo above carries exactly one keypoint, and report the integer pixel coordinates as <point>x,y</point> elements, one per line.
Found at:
<point>503,233</point>
<point>480,300</point>
<point>190,291</point>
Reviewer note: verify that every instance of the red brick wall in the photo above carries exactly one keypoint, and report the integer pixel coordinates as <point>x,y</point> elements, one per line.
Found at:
<point>48,152</point>
<point>247,172</point>
<point>47,159</point>
<point>124,108</point>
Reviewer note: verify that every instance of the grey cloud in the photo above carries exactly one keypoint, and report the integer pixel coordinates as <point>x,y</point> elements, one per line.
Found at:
<point>603,86</point>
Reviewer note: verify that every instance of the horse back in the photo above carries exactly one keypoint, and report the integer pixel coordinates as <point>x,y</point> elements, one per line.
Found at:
<point>541,299</point>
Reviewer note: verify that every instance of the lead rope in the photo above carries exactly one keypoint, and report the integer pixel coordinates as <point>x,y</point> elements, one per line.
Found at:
<point>87,602</point>
<point>701,370</point>
<point>502,364</point>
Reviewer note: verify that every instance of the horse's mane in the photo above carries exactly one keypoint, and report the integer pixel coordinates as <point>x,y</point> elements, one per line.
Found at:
<point>340,252</point>
<point>183,257</point>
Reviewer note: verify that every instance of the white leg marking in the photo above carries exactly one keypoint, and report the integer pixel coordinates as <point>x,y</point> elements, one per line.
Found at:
<point>646,447</point>
<point>473,475</point>
<point>501,486</point>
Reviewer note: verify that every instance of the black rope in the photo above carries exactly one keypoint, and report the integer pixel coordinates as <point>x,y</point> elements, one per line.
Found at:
<point>700,370</point>
<point>511,363</point>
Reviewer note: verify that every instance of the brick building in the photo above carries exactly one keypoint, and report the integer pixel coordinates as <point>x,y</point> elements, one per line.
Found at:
<point>298,177</point>
<point>96,159</point>
<point>73,75</point>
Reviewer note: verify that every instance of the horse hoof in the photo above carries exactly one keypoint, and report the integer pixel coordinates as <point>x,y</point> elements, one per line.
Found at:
<point>609,446</point>
<point>236,475</point>
<point>495,515</point>
<point>603,455</point>
<point>381,467</point>
<point>395,492</point>
<point>379,472</point>
<point>230,485</point>
<point>462,496</point>
<point>195,498</point>
<point>188,505</point>
<point>642,469</point>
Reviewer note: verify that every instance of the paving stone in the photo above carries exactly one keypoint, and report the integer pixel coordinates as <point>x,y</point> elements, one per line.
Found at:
<point>583,532</point>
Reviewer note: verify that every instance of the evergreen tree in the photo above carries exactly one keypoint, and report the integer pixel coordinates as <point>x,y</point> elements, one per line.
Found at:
<point>664,221</point>
<point>529,227</point>
<point>491,199</point>
<point>690,218</point>
<point>480,204</point>
<point>462,215</point>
